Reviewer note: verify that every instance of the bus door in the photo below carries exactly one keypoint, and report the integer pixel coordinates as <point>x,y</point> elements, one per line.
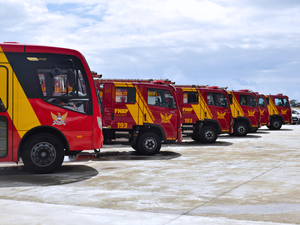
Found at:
<point>5,114</point>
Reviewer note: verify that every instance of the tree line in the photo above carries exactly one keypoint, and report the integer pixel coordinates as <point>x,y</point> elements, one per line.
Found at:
<point>294,103</point>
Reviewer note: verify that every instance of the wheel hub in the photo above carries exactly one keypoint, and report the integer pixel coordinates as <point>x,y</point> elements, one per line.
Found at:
<point>241,129</point>
<point>209,135</point>
<point>150,144</point>
<point>43,154</point>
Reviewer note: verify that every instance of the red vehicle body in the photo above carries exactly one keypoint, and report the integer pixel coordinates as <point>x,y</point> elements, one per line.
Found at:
<point>205,112</point>
<point>144,112</point>
<point>279,110</point>
<point>264,111</point>
<point>245,110</point>
<point>49,106</point>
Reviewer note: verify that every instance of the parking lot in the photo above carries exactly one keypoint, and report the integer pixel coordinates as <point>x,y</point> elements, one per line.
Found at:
<point>237,180</point>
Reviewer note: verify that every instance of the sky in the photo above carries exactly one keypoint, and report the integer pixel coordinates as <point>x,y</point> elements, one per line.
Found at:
<point>248,44</point>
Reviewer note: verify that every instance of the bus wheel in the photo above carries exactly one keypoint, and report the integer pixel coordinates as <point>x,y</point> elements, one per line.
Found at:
<point>42,153</point>
<point>208,134</point>
<point>240,129</point>
<point>149,144</point>
<point>275,124</point>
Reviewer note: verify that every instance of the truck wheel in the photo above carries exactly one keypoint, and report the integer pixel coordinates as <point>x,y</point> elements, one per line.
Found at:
<point>240,129</point>
<point>42,153</point>
<point>275,124</point>
<point>148,144</point>
<point>208,134</point>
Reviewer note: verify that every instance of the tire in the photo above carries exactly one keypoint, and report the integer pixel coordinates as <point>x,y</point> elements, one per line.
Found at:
<point>196,138</point>
<point>208,134</point>
<point>42,153</point>
<point>240,129</point>
<point>148,144</point>
<point>275,124</point>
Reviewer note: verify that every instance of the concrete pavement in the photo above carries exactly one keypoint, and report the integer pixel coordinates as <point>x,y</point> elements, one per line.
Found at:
<point>237,180</point>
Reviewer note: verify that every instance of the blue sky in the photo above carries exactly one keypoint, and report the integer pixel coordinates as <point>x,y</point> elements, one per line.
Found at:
<point>253,44</point>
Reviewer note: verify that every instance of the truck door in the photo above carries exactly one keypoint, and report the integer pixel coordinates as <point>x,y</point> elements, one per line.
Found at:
<point>283,108</point>
<point>250,108</point>
<point>163,111</point>
<point>219,107</point>
<point>264,112</point>
<point>5,114</point>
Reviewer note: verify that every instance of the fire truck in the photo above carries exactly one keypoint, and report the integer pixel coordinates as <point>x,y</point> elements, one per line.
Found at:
<point>143,111</point>
<point>245,111</point>
<point>49,106</point>
<point>279,110</point>
<point>205,112</point>
<point>264,111</point>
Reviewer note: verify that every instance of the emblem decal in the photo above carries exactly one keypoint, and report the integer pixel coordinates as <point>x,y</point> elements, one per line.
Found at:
<point>262,112</point>
<point>251,113</point>
<point>165,118</point>
<point>283,111</point>
<point>221,115</point>
<point>59,119</point>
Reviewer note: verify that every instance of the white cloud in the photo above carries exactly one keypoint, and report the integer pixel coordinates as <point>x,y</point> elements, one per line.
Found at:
<point>213,41</point>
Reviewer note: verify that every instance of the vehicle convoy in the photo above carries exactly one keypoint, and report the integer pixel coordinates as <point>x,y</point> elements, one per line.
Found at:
<point>279,110</point>
<point>49,106</point>
<point>264,112</point>
<point>143,111</point>
<point>245,111</point>
<point>205,112</point>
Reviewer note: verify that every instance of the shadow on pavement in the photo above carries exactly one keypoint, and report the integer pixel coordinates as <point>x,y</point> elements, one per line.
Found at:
<point>192,143</point>
<point>121,156</point>
<point>248,136</point>
<point>19,176</point>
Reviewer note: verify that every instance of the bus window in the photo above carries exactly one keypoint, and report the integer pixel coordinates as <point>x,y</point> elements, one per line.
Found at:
<point>66,88</point>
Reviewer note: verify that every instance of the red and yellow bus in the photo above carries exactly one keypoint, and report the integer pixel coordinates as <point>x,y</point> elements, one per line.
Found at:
<point>49,106</point>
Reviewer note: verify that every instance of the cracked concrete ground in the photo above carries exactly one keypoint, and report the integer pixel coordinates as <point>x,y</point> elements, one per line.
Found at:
<point>237,180</point>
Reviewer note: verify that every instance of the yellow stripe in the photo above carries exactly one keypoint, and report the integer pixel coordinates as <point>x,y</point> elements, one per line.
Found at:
<point>201,109</point>
<point>140,108</point>
<point>235,107</point>
<point>22,113</point>
<point>271,107</point>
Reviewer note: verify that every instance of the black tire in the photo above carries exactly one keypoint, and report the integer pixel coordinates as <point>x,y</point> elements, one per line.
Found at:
<point>240,129</point>
<point>42,153</point>
<point>208,134</point>
<point>275,124</point>
<point>196,138</point>
<point>148,144</point>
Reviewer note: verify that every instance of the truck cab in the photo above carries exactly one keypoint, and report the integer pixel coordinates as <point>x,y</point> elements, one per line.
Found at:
<point>145,113</point>
<point>245,110</point>
<point>205,112</point>
<point>279,110</point>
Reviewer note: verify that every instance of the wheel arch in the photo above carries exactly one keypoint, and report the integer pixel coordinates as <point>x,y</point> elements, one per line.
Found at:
<point>44,129</point>
<point>243,120</point>
<point>213,123</point>
<point>279,117</point>
<point>155,128</point>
